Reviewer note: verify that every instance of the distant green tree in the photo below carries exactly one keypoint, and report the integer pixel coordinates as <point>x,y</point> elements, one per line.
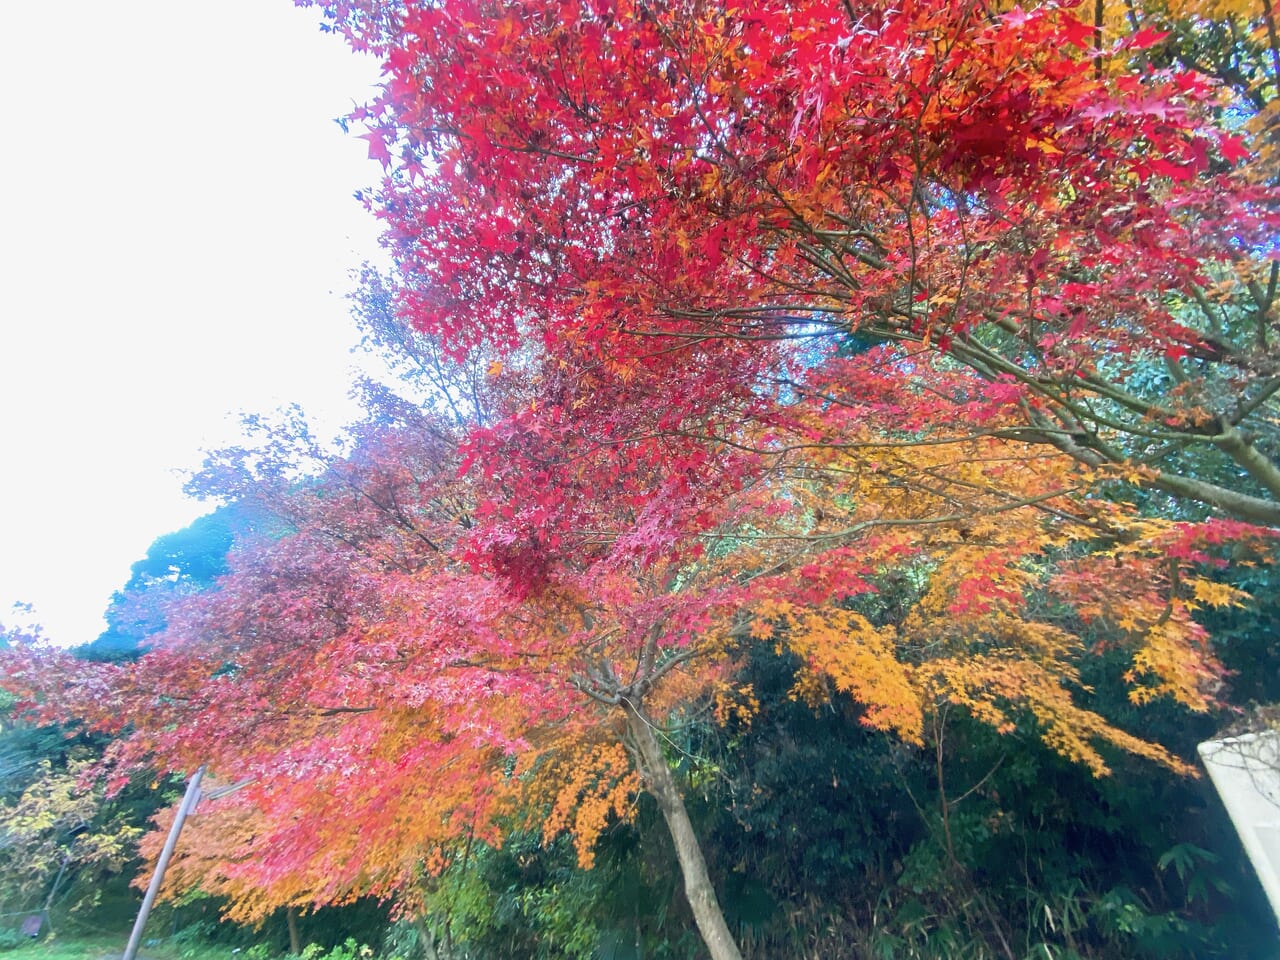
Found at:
<point>180,563</point>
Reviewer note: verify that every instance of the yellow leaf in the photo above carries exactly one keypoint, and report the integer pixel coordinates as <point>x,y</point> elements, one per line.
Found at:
<point>1216,594</point>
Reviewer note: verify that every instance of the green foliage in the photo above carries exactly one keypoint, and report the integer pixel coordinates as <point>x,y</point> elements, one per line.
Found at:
<point>846,833</point>
<point>349,949</point>
<point>11,938</point>
<point>61,840</point>
<point>22,749</point>
<point>522,900</point>
<point>67,847</point>
<point>65,946</point>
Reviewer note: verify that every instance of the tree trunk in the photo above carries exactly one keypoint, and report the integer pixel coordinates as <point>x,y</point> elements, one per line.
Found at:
<point>291,920</point>
<point>427,940</point>
<point>697,884</point>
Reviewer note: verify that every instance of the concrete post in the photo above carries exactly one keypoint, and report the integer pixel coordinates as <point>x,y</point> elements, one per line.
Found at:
<point>189,801</point>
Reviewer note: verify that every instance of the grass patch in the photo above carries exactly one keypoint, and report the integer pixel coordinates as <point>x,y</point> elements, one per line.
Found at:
<point>111,948</point>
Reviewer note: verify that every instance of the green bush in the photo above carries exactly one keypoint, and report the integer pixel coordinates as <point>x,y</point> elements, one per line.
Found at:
<point>349,949</point>
<point>11,939</point>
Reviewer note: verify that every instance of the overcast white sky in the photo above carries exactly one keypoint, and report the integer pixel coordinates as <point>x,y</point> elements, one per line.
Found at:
<point>176,232</point>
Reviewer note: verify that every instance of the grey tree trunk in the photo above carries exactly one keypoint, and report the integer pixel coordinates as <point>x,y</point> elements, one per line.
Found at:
<point>697,884</point>
<point>291,920</point>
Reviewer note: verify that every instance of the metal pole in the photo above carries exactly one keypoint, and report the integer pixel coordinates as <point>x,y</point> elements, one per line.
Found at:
<point>189,801</point>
